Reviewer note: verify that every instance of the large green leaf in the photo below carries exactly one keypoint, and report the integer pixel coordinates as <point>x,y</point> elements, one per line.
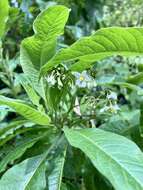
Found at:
<point>104,43</point>
<point>116,157</point>
<point>47,26</point>
<point>4,10</point>
<point>55,177</point>
<point>38,49</point>
<point>25,110</point>
<point>31,73</point>
<point>28,175</point>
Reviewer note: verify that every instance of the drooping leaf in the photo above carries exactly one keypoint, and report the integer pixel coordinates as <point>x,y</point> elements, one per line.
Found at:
<point>104,43</point>
<point>25,110</point>
<point>55,177</point>
<point>116,157</point>
<point>4,10</point>
<point>29,174</point>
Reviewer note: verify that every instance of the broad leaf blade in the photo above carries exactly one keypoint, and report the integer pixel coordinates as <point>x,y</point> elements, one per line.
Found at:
<point>25,110</point>
<point>55,177</point>
<point>51,22</point>
<point>116,157</point>
<point>104,43</point>
<point>47,27</point>
<point>29,90</point>
<point>38,49</point>
<point>31,73</point>
<point>29,174</point>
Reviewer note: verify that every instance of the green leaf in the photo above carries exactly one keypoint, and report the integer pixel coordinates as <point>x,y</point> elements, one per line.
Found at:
<point>25,110</point>
<point>4,11</point>
<point>55,177</point>
<point>18,151</point>
<point>29,174</point>
<point>11,125</point>
<point>136,79</point>
<point>104,43</point>
<point>122,123</point>
<point>47,27</point>
<point>63,187</point>
<point>129,86</point>
<point>53,97</point>
<point>38,49</point>
<point>117,158</point>
<point>29,90</point>
<point>31,73</point>
<point>51,22</point>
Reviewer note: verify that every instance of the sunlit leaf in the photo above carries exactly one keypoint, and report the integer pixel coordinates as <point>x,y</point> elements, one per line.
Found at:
<point>4,10</point>
<point>104,43</point>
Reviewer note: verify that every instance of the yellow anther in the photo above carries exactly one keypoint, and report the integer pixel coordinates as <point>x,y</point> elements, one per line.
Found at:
<point>81,78</point>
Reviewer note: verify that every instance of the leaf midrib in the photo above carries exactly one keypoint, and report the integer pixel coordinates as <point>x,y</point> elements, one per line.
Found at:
<point>111,53</point>
<point>44,157</point>
<point>61,171</point>
<point>58,58</point>
<point>34,172</point>
<point>112,158</point>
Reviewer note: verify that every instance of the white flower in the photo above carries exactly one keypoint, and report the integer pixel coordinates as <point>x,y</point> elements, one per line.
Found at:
<point>104,109</point>
<point>112,96</point>
<point>112,108</point>
<point>82,79</point>
<point>51,80</point>
<point>115,108</point>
